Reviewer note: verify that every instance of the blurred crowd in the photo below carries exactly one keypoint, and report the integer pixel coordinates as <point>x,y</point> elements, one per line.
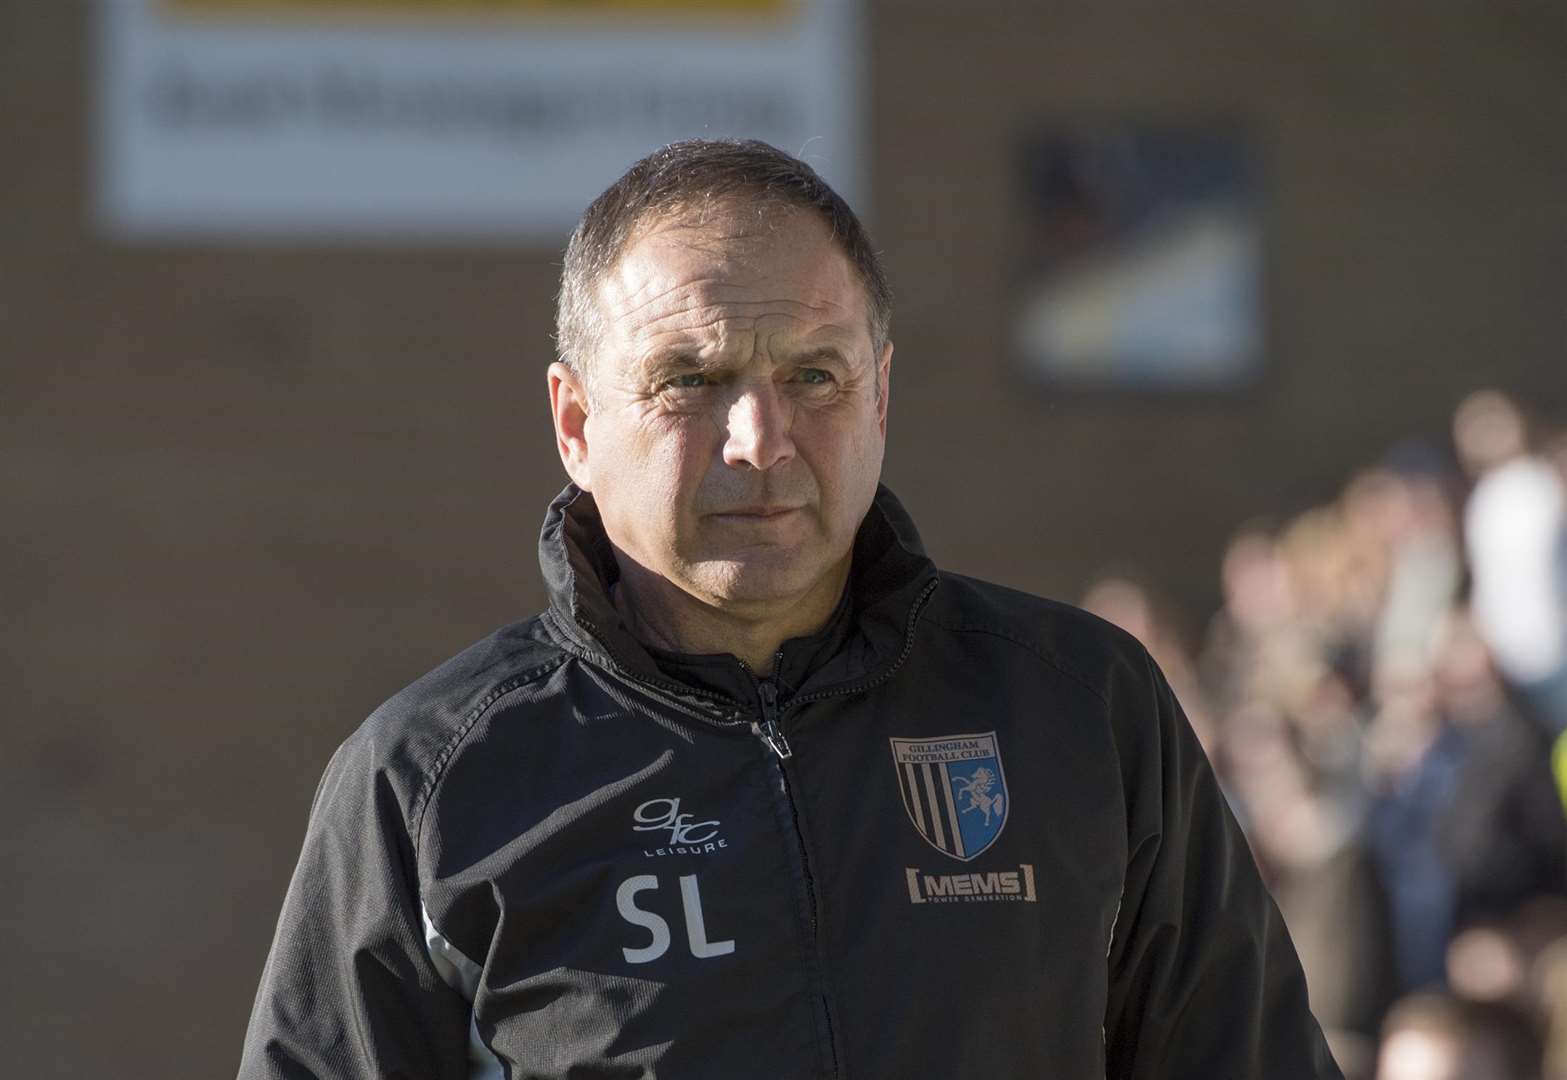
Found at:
<point>1384,694</point>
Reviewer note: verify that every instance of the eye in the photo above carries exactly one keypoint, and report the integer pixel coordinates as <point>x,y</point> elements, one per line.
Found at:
<point>815,376</point>
<point>691,380</point>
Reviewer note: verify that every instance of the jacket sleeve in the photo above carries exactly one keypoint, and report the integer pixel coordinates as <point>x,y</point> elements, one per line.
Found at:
<point>1204,982</point>
<point>348,989</point>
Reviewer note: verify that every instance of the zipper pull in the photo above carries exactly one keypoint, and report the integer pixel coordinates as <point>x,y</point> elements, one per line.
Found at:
<point>768,729</point>
<point>773,736</point>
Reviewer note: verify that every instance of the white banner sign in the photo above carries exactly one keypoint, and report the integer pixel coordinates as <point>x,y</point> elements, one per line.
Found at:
<point>467,119</point>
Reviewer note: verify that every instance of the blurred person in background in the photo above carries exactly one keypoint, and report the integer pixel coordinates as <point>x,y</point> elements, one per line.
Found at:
<point>1391,794</point>
<point>1338,575</point>
<point>1413,757</point>
<point>1422,1040</point>
<point>1503,834</point>
<point>1311,846</point>
<point>1513,534</point>
<point>1283,651</point>
<point>1259,604</point>
<point>1549,977</point>
<point>1436,1037</point>
<point>1371,512</point>
<point>1425,560</point>
<point>1283,658</point>
<point>1508,959</point>
<point>1132,604</point>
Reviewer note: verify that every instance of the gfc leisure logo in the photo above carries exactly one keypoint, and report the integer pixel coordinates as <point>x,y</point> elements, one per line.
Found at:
<point>687,836</point>
<point>954,791</point>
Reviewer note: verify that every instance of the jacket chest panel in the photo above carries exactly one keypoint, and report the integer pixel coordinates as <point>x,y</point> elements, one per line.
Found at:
<point>926,904</point>
<point>631,914</point>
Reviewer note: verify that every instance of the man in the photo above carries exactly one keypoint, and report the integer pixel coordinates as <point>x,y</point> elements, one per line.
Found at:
<point>1515,526</point>
<point>763,793</point>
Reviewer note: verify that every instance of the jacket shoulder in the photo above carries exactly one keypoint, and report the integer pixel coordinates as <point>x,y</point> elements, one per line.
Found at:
<point>1077,643</point>
<point>415,731</point>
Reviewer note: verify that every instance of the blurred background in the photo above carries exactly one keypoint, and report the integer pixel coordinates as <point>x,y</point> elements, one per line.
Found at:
<point>1242,326</point>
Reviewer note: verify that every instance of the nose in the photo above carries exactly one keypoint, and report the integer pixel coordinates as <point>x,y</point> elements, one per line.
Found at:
<point>757,431</point>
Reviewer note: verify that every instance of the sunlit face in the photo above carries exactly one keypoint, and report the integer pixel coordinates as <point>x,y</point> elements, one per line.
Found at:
<point>735,434</point>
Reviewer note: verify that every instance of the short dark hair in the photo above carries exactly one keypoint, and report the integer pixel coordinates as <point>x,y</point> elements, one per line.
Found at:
<point>692,174</point>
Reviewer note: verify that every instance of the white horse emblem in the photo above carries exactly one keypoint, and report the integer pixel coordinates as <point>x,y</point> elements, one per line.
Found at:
<point>978,788</point>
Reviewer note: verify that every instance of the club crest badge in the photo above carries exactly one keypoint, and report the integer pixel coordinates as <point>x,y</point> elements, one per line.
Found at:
<point>953,790</point>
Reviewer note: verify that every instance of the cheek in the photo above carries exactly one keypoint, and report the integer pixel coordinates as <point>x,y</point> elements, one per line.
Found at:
<point>648,465</point>
<point>845,453</point>
<point>678,449</point>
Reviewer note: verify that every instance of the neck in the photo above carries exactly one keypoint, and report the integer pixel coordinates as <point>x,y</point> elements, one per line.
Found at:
<point>665,616</point>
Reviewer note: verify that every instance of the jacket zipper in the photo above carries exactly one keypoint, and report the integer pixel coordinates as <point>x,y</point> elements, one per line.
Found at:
<point>772,736</point>
<point>768,729</point>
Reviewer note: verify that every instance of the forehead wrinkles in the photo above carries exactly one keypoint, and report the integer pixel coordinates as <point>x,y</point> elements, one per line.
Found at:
<point>726,317</point>
<point>715,284</point>
<point>661,298</point>
<point>721,307</point>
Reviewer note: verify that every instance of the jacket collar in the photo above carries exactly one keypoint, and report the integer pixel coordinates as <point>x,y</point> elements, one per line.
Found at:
<point>890,576</point>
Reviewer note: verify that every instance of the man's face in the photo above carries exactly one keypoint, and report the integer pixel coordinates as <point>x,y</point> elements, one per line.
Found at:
<point>735,433</point>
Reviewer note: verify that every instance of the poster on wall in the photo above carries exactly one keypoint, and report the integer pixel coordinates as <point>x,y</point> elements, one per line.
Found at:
<point>1141,262</point>
<point>487,120</point>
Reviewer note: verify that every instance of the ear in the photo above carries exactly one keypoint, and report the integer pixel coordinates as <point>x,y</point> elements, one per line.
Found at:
<point>884,377</point>
<point>569,409</point>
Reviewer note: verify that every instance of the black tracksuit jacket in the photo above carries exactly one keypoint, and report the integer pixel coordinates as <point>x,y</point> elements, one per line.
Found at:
<point>960,833</point>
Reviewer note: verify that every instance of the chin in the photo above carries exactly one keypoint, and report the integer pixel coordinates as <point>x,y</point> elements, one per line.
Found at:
<point>756,580</point>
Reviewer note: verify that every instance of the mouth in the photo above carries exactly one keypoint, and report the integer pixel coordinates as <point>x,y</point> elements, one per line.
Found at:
<point>755,513</point>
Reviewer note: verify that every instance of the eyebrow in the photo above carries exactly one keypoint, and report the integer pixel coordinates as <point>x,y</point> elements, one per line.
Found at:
<point>823,352</point>
<point>674,360</point>
<point>664,361</point>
